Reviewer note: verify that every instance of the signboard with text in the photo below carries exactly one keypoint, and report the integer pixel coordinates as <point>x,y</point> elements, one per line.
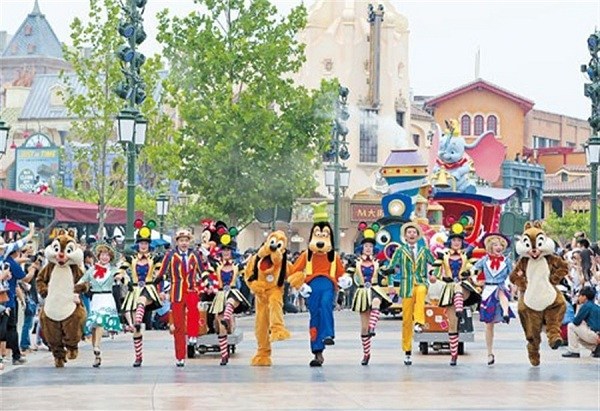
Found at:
<point>366,212</point>
<point>36,168</point>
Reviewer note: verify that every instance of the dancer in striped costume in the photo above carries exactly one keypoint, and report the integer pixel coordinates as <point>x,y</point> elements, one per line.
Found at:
<point>143,294</point>
<point>369,298</point>
<point>459,291</point>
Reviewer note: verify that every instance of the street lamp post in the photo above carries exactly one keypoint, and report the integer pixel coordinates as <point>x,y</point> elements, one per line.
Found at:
<point>131,125</point>
<point>337,176</point>
<point>4,129</point>
<point>162,208</point>
<point>592,156</point>
<point>592,146</point>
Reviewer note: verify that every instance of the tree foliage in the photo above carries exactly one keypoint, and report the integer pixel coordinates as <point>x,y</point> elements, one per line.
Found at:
<point>251,138</point>
<point>89,97</point>
<point>565,227</point>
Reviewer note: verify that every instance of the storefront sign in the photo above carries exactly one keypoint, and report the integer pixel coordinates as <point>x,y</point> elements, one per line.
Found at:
<point>36,169</point>
<point>366,212</point>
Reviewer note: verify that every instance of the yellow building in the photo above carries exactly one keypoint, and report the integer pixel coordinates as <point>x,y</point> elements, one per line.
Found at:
<point>480,106</point>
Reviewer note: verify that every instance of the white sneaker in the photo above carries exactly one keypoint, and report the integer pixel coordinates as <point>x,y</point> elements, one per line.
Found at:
<point>418,328</point>
<point>407,360</point>
<point>180,363</point>
<point>192,341</point>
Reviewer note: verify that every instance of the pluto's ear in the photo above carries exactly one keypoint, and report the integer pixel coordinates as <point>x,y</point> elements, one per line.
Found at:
<point>537,224</point>
<point>528,225</point>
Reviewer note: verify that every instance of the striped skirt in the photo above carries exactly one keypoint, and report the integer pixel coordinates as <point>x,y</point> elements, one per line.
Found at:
<point>220,301</point>
<point>363,298</point>
<point>447,296</point>
<point>148,291</point>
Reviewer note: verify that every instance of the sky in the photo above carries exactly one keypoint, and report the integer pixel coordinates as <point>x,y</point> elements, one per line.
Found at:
<point>532,48</point>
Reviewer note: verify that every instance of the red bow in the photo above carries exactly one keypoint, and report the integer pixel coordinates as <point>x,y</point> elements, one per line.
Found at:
<point>367,258</point>
<point>495,261</point>
<point>99,271</point>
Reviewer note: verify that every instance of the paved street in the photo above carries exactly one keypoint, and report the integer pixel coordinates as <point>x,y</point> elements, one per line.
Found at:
<point>342,384</point>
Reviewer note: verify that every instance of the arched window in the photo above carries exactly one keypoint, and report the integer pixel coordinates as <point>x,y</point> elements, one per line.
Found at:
<point>492,124</point>
<point>465,125</point>
<point>478,125</point>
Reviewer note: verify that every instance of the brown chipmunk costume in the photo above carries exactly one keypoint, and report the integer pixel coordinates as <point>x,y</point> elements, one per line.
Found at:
<point>536,274</point>
<point>265,275</point>
<point>62,317</point>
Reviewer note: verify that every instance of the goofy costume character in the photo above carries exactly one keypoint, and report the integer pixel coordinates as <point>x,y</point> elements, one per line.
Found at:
<point>316,274</point>
<point>183,268</point>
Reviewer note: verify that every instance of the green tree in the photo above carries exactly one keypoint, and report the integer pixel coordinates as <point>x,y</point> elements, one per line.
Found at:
<point>89,97</point>
<point>250,138</point>
<point>564,228</point>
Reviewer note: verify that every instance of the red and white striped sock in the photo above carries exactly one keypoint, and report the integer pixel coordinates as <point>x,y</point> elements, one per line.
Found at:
<point>137,345</point>
<point>458,302</point>
<point>366,343</point>
<point>374,318</point>
<point>223,346</point>
<point>228,312</point>
<point>453,344</point>
<point>139,313</point>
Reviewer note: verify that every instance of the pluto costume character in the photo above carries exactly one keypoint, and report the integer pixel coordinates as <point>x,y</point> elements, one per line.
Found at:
<point>265,275</point>
<point>537,273</point>
<point>62,317</point>
<point>316,274</point>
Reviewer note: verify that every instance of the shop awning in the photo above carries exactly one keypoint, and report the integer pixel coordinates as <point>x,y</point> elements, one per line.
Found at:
<point>59,210</point>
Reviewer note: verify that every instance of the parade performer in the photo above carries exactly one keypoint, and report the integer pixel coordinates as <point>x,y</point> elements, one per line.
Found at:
<point>411,258</point>
<point>63,316</point>
<point>495,268</point>
<point>369,298</point>
<point>103,310</point>
<point>316,274</point>
<point>142,292</point>
<point>265,275</point>
<point>454,269</point>
<point>183,268</point>
<point>228,299</point>
<point>537,273</point>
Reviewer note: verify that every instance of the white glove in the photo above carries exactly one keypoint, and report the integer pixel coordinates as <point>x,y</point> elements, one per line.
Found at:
<point>305,290</point>
<point>345,282</point>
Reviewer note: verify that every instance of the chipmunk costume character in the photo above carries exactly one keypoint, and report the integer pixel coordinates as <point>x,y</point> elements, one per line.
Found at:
<point>316,274</point>
<point>62,317</point>
<point>537,273</point>
<point>265,275</point>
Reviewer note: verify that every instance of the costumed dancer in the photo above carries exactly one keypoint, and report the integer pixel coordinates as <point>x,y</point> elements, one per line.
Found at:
<point>369,298</point>
<point>183,267</point>
<point>103,309</point>
<point>316,274</point>
<point>228,299</point>
<point>142,293</point>
<point>458,292</point>
<point>411,258</point>
<point>495,268</point>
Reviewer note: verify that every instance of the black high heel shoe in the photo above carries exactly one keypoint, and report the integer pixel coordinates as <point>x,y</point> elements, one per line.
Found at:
<point>365,360</point>
<point>506,318</point>
<point>491,359</point>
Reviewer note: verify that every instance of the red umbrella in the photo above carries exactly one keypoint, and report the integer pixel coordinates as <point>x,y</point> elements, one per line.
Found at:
<point>7,225</point>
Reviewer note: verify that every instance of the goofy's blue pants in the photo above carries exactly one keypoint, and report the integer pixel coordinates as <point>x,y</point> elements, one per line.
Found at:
<point>320,306</point>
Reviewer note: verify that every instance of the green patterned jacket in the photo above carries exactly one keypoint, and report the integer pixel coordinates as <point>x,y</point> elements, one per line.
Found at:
<point>411,272</point>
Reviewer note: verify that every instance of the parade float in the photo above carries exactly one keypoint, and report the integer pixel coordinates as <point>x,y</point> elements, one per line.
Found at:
<point>449,193</point>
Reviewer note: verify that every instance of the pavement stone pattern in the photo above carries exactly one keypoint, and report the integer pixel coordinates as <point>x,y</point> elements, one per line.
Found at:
<point>290,384</point>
